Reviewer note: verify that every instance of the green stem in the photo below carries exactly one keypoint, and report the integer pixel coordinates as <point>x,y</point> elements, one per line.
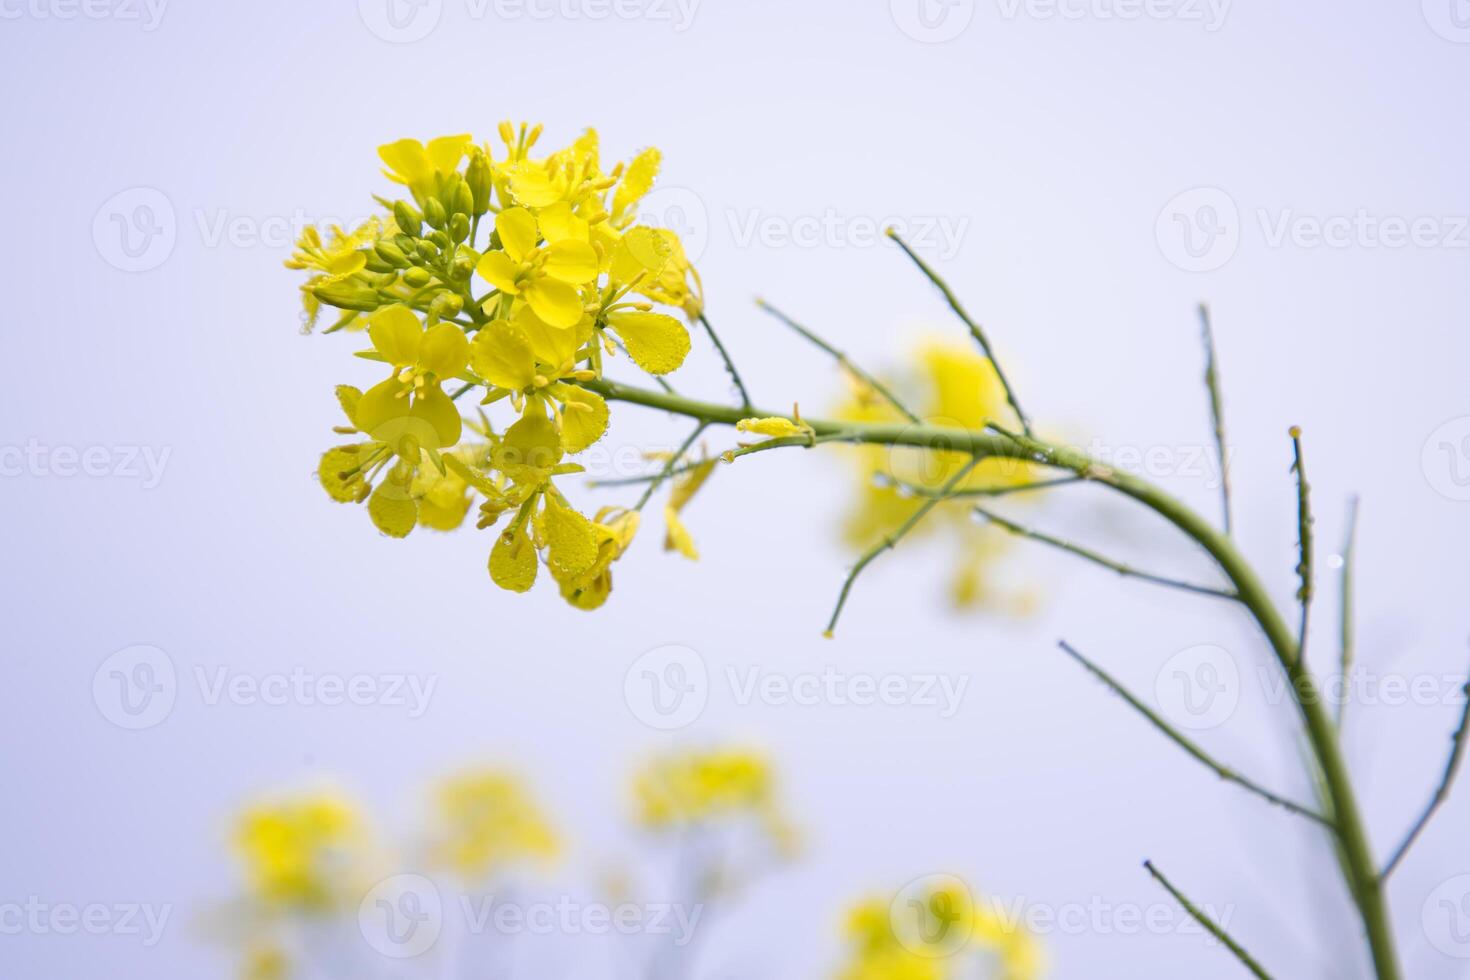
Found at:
<point>1237,950</point>
<point>1365,885</point>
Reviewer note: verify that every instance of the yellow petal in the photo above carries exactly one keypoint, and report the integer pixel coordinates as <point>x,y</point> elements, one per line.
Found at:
<point>431,405</point>
<point>344,264</point>
<point>513,561</point>
<point>407,161</point>
<point>570,539</point>
<point>677,537</point>
<point>517,228</point>
<point>571,261</point>
<point>392,510</point>
<point>348,397</point>
<point>444,350</point>
<point>532,443</point>
<point>642,251</point>
<point>502,354</point>
<point>775,426</point>
<point>531,186</point>
<point>336,462</point>
<point>554,346</point>
<point>396,334</point>
<point>637,180</point>
<point>559,224</point>
<point>583,419</point>
<point>558,303</point>
<point>500,271</point>
<point>379,406</point>
<point>445,152</point>
<point>657,342</point>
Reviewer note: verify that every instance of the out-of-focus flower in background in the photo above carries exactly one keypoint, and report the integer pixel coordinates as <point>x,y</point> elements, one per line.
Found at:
<point>302,855</point>
<point>487,823</point>
<point>950,385</point>
<point>954,937</point>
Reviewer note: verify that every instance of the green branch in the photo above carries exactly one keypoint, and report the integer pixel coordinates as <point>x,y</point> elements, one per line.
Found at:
<point>1304,522</point>
<point>1104,561</point>
<point>1442,792</point>
<point>1346,629</point>
<point>891,540</point>
<point>725,356</point>
<point>1209,924</point>
<point>975,331</point>
<point>1185,743</point>
<point>1364,882</point>
<point>842,359</point>
<point>1217,411</point>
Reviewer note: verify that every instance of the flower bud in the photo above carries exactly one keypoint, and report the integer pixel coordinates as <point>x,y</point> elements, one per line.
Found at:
<point>447,305</point>
<point>459,225</point>
<point>439,238</point>
<point>347,295</point>
<point>449,191</point>
<point>390,253</point>
<point>434,213</point>
<point>464,199</point>
<point>477,179</point>
<point>417,278</point>
<point>408,218</point>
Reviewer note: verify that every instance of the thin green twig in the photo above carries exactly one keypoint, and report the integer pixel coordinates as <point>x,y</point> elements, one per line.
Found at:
<point>842,359</point>
<point>725,356</point>
<point>1185,743</point>
<point>1304,520</point>
<point>669,465</point>
<point>1442,792</point>
<point>919,490</point>
<point>890,540</point>
<point>975,331</point>
<point>1347,630</point>
<point>1217,411</point>
<point>1098,559</point>
<point>1211,927</point>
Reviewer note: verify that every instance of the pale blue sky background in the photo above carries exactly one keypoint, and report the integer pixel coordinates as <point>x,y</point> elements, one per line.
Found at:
<point>1052,149</point>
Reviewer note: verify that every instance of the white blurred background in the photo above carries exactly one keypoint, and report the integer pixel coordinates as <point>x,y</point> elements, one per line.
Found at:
<point>1084,173</point>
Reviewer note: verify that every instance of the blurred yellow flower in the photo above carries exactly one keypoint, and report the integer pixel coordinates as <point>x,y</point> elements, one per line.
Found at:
<point>301,855</point>
<point>704,787</point>
<point>952,386</point>
<point>975,942</point>
<point>488,822</point>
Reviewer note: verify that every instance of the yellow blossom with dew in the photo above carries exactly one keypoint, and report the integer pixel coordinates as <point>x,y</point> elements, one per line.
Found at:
<point>487,822</point>
<point>302,854</point>
<point>519,275</point>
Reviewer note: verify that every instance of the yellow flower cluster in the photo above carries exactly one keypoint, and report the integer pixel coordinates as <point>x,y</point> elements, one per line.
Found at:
<point>956,387</point>
<point>514,274</point>
<point>302,854</point>
<point>973,941</point>
<point>489,822</point>
<point>698,787</point>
